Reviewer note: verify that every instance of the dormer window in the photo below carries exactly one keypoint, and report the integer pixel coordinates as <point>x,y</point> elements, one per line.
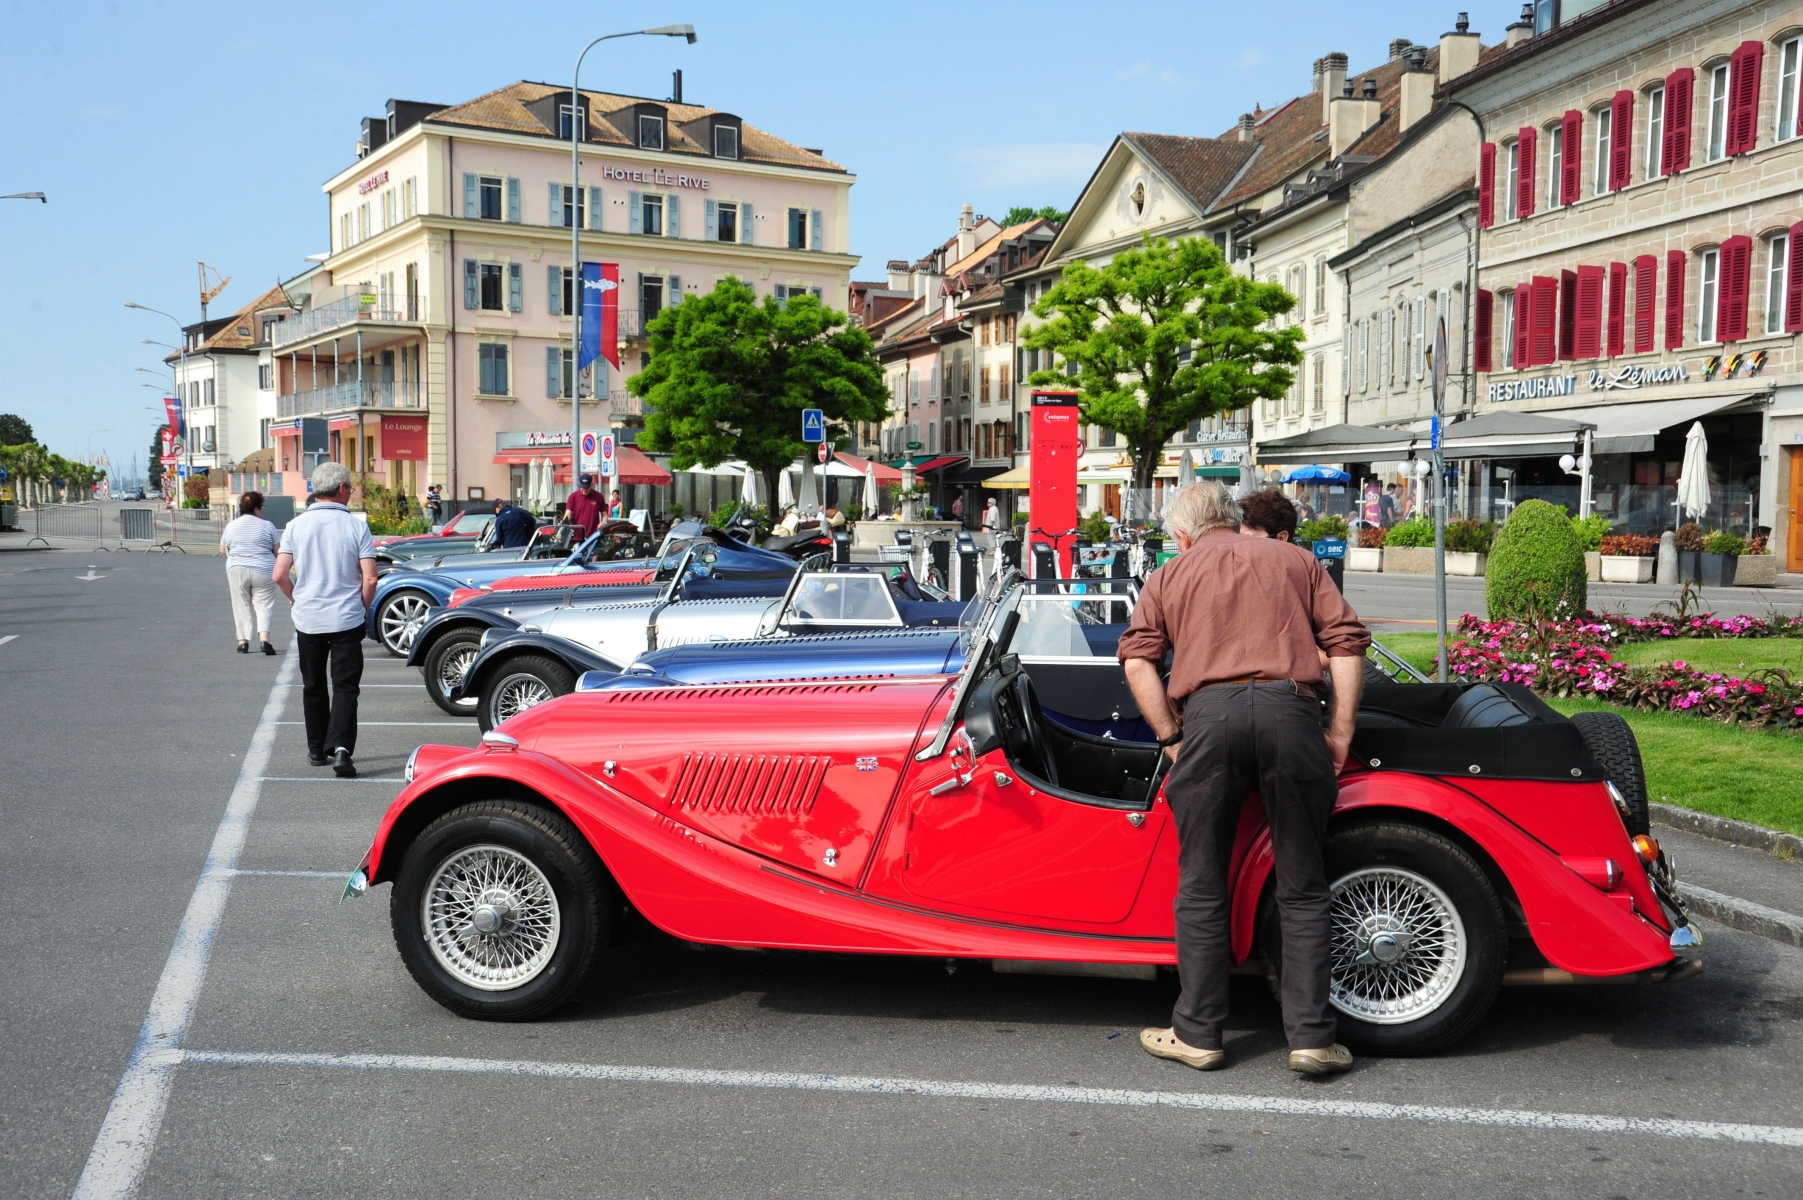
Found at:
<point>726,142</point>
<point>651,132</point>
<point>566,114</point>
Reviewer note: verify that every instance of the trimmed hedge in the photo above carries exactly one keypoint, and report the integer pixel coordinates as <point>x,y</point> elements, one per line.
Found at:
<point>1416,531</point>
<point>1536,567</point>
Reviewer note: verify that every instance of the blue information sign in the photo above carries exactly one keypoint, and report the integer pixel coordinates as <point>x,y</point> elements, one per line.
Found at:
<point>813,425</point>
<point>1330,548</point>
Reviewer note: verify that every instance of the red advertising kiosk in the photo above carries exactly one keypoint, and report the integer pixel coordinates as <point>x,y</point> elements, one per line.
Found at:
<point>1057,449</point>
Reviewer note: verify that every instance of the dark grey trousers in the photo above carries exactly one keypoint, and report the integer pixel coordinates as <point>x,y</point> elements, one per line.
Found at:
<point>1240,738</point>
<point>331,716</point>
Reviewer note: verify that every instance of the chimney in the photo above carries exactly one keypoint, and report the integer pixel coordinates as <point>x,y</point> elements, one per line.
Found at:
<point>1399,47</point>
<point>1315,83</point>
<point>967,231</point>
<point>1352,116</point>
<point>1522,30</point>
<point>1417,89</point>
<point>676,87</point>
<point>898,275</point>
<point>1459,49</point>
<point>1333,78</point>
<point>1247,125</point>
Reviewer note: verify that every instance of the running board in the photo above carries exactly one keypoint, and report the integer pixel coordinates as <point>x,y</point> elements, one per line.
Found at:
<point>1096,970</point>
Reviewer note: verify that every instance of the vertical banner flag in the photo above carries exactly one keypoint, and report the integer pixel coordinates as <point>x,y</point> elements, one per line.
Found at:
<point>600,314</point>
<point>173,408</point>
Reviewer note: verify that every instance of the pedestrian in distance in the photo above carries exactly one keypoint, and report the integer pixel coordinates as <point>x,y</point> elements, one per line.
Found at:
<point>401,505</point>
<point>327,568</point>
<point>992,518</point>
<point>1268,514</point>
<point>583,508</point>
<point>615,509</point>
<point>434,506</point>
<point>958,508</point>
<point>249,545</point>
<point>1386,506</point>
<point>514,527</point>
<point>1244,620</point>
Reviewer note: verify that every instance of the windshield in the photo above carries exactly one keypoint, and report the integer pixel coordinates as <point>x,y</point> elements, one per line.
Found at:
<point>1065,620</point>
<point>842,599</point>
<point>991,635</point>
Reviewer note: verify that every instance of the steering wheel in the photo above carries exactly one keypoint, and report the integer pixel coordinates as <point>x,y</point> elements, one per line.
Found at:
<point>1038,752</point>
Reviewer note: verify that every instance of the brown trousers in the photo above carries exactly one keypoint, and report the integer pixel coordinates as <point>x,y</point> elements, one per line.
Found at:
<point>1239,738</point>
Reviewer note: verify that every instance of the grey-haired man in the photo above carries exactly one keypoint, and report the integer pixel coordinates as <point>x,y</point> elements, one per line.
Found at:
<point>332,554</point>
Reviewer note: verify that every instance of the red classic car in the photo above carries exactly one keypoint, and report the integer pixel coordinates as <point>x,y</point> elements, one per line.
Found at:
<point>1480,837</point>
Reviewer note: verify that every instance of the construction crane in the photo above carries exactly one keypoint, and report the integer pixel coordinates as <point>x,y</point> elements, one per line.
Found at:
<point>207,294</point>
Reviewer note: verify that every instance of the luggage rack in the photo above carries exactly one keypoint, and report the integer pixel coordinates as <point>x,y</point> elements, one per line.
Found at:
<point>1386,662</point>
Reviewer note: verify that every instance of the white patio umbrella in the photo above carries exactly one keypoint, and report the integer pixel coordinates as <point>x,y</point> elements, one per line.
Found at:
<point>870,492</point>
<point>785,492</point>
<point>1186,468</point>
<point>529,489</point>
<point>545,472</point>
<point>1693,477</point>
<point>749,495</point>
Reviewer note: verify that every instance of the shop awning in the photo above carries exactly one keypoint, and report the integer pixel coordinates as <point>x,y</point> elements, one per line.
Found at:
<point>885,475</point>
<point>343,423</point>
<point>940,463</point>
<point>1506,435</point>
<point>1014,477</point>
<point>631,464</point>
<point>1219,471</point>
<point>1632,428</point>
<point>1339,443</point>
<point>974,476</point>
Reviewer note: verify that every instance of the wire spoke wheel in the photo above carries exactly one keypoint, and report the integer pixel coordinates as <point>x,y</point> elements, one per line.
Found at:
<point>517,693</point>
<point>490,917</point>
<point>400,620</point>
<point>1399,946</point>
<point>451,669</point>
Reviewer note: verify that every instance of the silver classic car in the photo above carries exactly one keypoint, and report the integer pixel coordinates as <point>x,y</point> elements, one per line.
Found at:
<point>516,669</point>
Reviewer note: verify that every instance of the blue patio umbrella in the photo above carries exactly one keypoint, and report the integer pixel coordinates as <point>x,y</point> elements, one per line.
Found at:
<point>1315,474</point>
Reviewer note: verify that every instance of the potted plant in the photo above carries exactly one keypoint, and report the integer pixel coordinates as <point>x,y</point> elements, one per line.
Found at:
<point>1628,558</point>
<point>1368,555</point>
<point>1468,546</point>
<point>1591,531</point>
<point>1689,543</point>
<point>1720,550</point>
<point>1758,567</point>
<point>1409,547</point>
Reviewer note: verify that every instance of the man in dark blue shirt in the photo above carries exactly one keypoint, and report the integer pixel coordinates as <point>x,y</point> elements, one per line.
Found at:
<point>513,526</point>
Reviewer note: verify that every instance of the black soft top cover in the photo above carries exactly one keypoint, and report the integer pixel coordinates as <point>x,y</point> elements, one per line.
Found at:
<point>1501,731</point>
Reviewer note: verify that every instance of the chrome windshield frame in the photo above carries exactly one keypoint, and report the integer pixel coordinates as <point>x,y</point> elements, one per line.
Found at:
<point>990,634</point>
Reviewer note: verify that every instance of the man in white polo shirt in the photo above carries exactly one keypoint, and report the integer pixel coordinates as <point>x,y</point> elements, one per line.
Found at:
<point>327,567</point>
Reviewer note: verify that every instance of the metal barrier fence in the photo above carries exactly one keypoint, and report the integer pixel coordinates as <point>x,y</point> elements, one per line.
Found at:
<point>70,522</point>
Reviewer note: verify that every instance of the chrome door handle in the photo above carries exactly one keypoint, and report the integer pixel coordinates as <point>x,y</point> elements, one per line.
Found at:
<point>946,785</point>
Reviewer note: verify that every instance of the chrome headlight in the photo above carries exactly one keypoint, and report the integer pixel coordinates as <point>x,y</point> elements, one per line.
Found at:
<point>411,759</point>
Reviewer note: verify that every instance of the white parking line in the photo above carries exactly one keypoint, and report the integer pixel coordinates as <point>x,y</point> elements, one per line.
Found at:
<point>299,874</point>
<point>11,637</point>
<point>939,1089</point>
<point>128,1134</point>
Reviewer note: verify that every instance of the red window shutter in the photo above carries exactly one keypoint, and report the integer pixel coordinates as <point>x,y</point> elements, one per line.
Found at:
<point>1675,156</point>
<point>1621,139</point>
<point>1482,335</point>
<point>1646,298</point>
<point>1486,185</point>
<point>1524,325</point>
<point>1568,314</point>
<point>1793,281</point>
<point>1674,299</point>
<point>1544,337</point>
<point>1525,190</point>
<point>1743,97</point>
<point>1587,321</point>
<point>1571,157</point>
<point>1618,309</point>
<point>1731,308</point>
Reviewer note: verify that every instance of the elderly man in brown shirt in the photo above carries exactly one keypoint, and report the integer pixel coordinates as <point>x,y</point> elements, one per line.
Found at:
<point>1242,619</point>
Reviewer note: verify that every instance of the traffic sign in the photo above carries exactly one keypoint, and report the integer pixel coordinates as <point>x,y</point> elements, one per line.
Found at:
<point>591,453</point>
<point>813,425</point>
<point>822,451</point>
<point>1440,363</point>
<point>607,454</point>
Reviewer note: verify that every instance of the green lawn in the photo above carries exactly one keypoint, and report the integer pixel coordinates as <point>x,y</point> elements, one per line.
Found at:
<point>1730,656</point>
<point>1417,649</point>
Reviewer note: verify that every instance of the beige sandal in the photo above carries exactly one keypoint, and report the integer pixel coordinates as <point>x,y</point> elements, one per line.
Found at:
<point>1164,1043</point>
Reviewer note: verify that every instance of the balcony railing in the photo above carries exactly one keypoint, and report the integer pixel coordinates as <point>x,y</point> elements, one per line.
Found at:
<point>371,393</point>
<point>327,317</point>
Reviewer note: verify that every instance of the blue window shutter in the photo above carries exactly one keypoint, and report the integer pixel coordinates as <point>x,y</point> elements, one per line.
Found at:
<point>515,287</point>
<point>513,200</point>
<point>594,208</point>
<point>470,286</point>
<point>554,277</point>
<point>814,239</point>
<point>674,286</point>
<point>554,372</point>
<point>472,205</point>
<point>745,223</point>
<point>598,385</point>
<point>635,215</point>
<point>554,209</point>
<point>710,221</point>
<point>782,293</point>
<point>672,216</point>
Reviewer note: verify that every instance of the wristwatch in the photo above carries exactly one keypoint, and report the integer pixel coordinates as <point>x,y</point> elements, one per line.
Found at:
<point>1172,740</point>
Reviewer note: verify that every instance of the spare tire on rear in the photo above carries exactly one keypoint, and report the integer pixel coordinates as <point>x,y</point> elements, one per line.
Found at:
<point>1610,741</point>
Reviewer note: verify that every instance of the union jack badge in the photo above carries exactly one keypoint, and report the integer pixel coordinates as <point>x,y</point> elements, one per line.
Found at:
<point>867,762</point>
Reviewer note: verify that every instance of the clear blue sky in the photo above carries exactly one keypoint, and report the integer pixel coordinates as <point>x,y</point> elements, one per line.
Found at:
<point>169,133</point>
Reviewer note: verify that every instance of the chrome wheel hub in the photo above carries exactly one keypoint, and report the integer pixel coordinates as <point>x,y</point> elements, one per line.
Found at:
<point>453,668</point>
<point>1398,946</point>
<point>518,693</point>
<point>401,619</point>
<point>490,918</point>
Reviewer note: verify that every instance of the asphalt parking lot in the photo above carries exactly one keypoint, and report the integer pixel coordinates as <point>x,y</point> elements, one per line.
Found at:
<point>158,797</point>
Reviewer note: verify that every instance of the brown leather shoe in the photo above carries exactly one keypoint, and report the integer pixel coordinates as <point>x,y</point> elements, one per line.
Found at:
<point>1164,1043</point>
<point>1332,1060</point>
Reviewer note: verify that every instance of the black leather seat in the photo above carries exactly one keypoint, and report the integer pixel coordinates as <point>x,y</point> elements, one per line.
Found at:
<point>1486,707</point>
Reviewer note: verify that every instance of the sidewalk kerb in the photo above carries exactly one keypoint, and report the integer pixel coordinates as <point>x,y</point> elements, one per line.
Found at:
<point>1743,915</point>
<point>1724,829</point>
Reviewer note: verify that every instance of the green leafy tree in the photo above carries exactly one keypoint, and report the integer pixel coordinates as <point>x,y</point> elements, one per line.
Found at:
<point>15,430</point>
<point>1020,214</point>
<point>1165,334</point>
<point>729,376</point>
<point>154,472</point>
<point>1536,567</point>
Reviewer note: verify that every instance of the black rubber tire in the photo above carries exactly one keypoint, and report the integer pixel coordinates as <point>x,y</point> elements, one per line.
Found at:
<point>457,641</point>
<point>585,894</point>
<point>388,602</point>
<point>1611,742</point>
<point>1449,867</point>
<point>554,675</point>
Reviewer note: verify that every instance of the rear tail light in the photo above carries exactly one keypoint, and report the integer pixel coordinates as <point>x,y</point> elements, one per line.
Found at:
<point>1647,848</point>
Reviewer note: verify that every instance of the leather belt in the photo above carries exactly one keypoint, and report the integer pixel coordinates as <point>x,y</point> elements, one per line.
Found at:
<point>1302,688</point>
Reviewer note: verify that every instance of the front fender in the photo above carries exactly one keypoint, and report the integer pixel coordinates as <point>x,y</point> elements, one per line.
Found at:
<point>447,619</point>
<point>577,658</point>
<point>404,579</point>
<point>1573,923</point>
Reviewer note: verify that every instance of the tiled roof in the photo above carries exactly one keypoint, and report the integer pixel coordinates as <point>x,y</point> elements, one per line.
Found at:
<point>504,109</point>
<point>1200,166</point>
<point>229,336</point>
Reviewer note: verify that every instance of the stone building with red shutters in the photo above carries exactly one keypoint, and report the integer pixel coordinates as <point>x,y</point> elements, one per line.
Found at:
<point>1640,261</point>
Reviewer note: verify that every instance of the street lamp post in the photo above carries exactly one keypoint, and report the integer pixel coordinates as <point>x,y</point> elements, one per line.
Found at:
<point>187,443</point>
<point>577,128</point>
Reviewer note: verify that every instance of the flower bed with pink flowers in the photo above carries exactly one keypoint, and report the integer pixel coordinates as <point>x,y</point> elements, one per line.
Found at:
<point>1574,658</point>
